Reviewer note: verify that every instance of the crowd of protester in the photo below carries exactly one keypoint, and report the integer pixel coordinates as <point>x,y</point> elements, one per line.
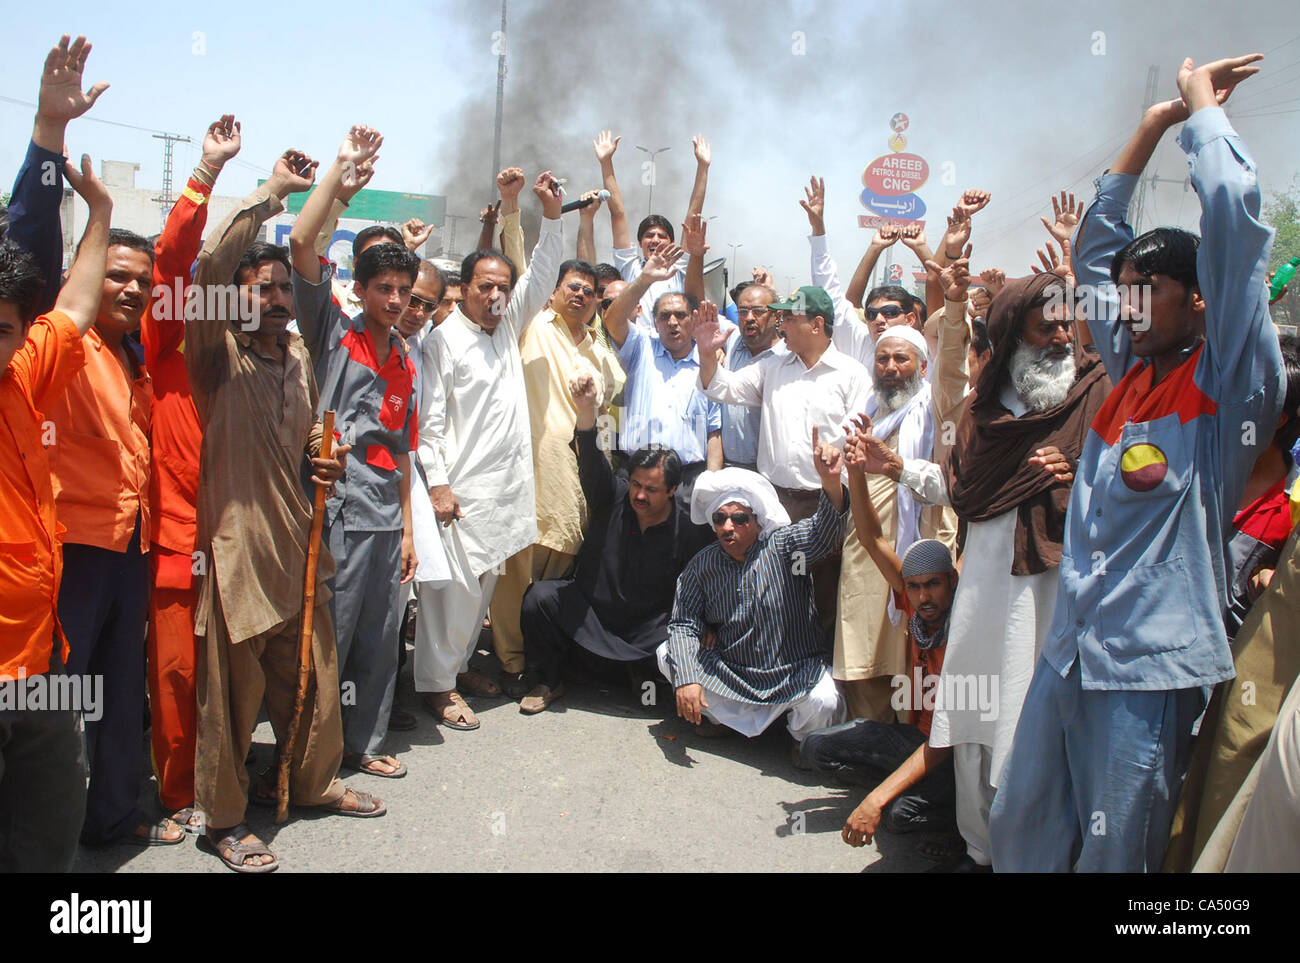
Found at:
<point>1016,556</point>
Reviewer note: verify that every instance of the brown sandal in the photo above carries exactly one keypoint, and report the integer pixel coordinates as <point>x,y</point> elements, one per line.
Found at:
<point>452,709</point>
<point>372,805</point>
<point>232,851</point>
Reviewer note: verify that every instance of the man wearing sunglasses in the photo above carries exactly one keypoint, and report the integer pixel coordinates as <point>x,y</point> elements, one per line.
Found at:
<point>556,348</point>
<point>887,305</point>
<point>744,647</point>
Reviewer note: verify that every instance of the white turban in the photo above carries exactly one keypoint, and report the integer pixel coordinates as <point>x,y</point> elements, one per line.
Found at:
<point>905,332</point>
<point>713,489</point>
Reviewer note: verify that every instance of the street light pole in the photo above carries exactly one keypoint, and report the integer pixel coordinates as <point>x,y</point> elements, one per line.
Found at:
<point>734,247</point>
<point>650,196</point>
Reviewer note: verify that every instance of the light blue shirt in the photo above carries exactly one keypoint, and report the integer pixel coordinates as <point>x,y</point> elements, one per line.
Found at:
<point>663,406</point>
<point>1144,581</point>
<point>740,423</point>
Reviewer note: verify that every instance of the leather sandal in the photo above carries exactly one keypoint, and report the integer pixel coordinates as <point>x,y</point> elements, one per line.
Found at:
<point>232,851</point>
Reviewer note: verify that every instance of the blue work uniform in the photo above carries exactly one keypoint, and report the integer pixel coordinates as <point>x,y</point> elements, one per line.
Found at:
<point>1138,635</point>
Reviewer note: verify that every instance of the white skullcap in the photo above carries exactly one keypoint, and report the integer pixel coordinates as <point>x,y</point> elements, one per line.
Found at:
<point>906,332</point>
<point>713,489</point>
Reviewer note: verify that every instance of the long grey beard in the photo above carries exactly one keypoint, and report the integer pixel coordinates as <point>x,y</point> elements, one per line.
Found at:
<point>1040,381</point>
<point>894,399</point>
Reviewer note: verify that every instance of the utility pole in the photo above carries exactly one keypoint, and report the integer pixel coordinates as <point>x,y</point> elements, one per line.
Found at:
<point>450,230</point>
<point>165,199</point>
<point>734,248</point>
<point>1149,98</point>
<point>501,96</point>
<point>654,173</point>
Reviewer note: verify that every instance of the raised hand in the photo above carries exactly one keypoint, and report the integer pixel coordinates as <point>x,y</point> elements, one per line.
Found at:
<point>886,236</point>
<point>87,185</point>
<point>1066,214</point>
<point>605,144</point>
<point>973,201</point>
<point>588,213</point>
<point>583,390</point>
<point>61,97</point>
<point>762,275</point>
<point>826,458</point>
<point>1061,266</point>
<point>355,178</point>
<point>913,237</point>
<point>994,279</point>
<point>293,173</point>
<point>221,142</point>
<point>703,153</point>
<point>876,456</point>
<point>814,204</point>
<point>957,235</point>
<point>979,303</point>
<point>1213,83</point>
<point>660,265</point>
<point>510,182</point>
<point>490,214</point>
<point>954,278</point>
<point>694,231</point>
<point>415,232</point>
<point>547,189</point>
<point>708,332</point>
<point>1055,462</point>
<point>360,144</point>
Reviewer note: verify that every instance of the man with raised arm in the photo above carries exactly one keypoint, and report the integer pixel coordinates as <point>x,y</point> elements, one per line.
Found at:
<point>664,407</point>
<point>1138,634</point>
<point>42,778</point>
<point>366,376</point>
<point>476,452</point>
<point>255,393</point>
<point>744,647</point>
<point>655,232</point>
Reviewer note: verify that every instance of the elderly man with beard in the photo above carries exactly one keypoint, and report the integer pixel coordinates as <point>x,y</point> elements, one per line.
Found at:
<point>1007,476</point>
<point>558,347</point>
<point>744,647</point>
<point>615,607</point>
<point>909,412</point>
<point>1138,635</point>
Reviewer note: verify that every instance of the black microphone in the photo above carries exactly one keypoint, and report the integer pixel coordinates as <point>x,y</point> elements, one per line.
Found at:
<point>584,201</point>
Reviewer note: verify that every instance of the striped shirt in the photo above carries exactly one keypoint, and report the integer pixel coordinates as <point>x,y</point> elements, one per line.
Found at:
<point>770,647</point>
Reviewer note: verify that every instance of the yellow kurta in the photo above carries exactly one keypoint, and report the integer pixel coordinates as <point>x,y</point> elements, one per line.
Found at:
<point>551,360</point>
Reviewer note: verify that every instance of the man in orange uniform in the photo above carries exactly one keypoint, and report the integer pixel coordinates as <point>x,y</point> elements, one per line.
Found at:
<point>173,488</point>
<point>42,786</point>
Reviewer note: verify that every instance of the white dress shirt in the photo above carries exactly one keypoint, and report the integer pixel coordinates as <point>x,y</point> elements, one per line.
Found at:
<point>474,429</point>
<point>794,398</point>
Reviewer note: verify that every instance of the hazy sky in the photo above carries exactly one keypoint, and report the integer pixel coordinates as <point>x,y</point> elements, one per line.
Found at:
<point>1015,97</point>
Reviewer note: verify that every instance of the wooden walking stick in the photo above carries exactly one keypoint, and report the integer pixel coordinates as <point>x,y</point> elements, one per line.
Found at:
<point>304,636</point>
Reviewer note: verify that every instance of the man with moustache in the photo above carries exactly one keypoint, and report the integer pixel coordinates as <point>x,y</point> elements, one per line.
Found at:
<point>755,336</point>
<point>744,647</point>
<point>256,398</point>
<point>476,451</point>
<point>616,605</point>
<point>366,376</point>
<point>664,408</point>
<point>556,348</point>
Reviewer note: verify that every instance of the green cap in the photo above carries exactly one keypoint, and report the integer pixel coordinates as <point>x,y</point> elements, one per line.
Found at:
<point>809,300</point>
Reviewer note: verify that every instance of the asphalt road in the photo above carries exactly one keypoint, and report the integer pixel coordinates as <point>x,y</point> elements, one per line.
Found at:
<point>597,783</point>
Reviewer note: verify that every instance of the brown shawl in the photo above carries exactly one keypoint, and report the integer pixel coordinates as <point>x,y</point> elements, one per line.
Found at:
<point>987,469</point>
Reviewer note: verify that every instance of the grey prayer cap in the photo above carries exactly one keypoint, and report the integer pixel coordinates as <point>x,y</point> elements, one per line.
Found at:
<point>926,557</point>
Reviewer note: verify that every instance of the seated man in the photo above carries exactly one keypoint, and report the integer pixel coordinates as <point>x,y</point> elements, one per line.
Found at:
<point>617,603</point>
<point>913,782</point>
<point>751,594</point>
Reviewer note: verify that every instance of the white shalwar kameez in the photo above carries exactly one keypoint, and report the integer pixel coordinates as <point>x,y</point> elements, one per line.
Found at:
<point>997,622</point>
<point>475,437</point>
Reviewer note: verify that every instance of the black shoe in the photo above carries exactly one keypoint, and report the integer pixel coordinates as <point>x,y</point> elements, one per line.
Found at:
<point>514,685</point>
<point>399,720</point>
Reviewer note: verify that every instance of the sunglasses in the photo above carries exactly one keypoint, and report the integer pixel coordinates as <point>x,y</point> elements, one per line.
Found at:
<point>888,311</point>
<point>582,289</point>
<point>419,304</point>
<point>737,518</point>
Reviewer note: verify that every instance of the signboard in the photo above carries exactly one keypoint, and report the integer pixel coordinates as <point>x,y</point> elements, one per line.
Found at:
<point>905,207</point>
<point>385,207</point>
<point>895,174</point>
<point>875,222</point>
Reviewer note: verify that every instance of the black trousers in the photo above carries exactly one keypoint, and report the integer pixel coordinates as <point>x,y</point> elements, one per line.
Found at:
<point>42,785</point>
<point>554,616</point>
<point>865,753</point>
<point>104,607</point>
